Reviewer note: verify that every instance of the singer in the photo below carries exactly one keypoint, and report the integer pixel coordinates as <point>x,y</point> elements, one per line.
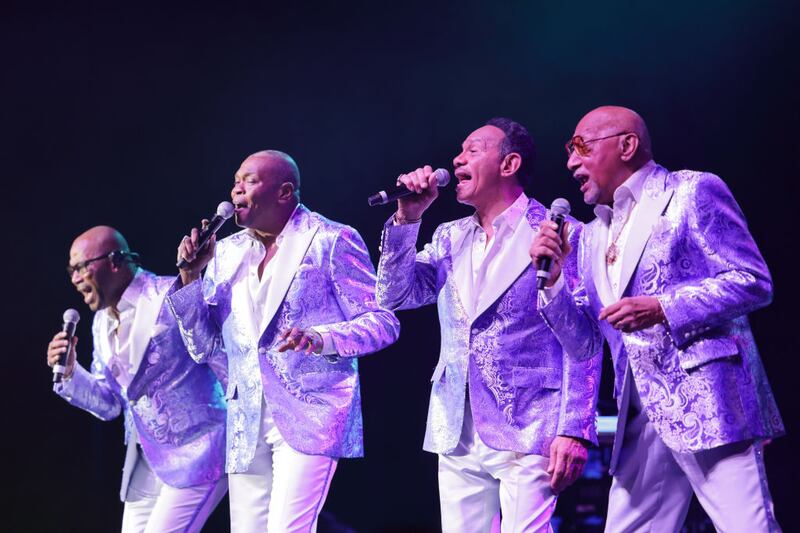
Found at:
<point>290,300</point>
<point>174,409</point>
<point>669,274</point>
<point>509,416</point>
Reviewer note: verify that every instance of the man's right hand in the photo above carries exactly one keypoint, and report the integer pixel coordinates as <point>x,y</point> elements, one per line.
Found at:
<point>197,258</point>
<point>423,183</point>
<point>548,243</point>
<point>56,349</point>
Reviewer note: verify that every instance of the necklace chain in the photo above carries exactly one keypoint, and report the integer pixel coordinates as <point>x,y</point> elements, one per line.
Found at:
<point>612,254</point>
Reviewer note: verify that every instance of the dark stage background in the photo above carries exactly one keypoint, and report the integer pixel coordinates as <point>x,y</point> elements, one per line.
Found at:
<point>138,118</point>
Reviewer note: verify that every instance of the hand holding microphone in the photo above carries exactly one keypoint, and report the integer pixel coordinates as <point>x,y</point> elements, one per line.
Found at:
<point>196,249</point>
<point>551,244</point>
<point>415,192</point>
<point>61,350</point>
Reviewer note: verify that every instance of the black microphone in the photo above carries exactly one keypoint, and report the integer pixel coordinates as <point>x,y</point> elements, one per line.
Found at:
<point>224,212</point>
<point>559,210</point>
<point>384,197</point>
<point>71,318</point>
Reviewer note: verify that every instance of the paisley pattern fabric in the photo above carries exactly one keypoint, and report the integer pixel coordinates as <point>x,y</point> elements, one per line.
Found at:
<point>523,391</point>
<point>329,285</point>
<point>176,406</point>
<point>700,377</point>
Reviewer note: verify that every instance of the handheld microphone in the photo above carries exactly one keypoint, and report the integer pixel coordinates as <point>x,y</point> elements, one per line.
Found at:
<point>383,197</point>
<point>559,210</point>
<point>71,318</point>
<point>224,212</point>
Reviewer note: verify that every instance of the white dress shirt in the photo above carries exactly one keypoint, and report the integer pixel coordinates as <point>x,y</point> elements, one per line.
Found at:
<point>258,288</point>
<point>119,329</point>
<point>488,254</point>
<point>619,219</point>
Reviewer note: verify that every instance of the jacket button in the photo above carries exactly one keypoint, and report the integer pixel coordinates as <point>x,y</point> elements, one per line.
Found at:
<point>262,350</point>
<point>475,331</point>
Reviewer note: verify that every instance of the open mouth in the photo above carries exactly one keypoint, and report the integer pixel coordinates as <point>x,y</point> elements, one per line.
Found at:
<point>582,180</point>
<point>86,292</point>
<point>463,176</point>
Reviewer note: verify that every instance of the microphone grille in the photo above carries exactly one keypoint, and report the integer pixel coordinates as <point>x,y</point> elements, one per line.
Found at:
<point>71,316</point>
<point>225,210</point>
<point>560,206</point>
<point>442,177</point>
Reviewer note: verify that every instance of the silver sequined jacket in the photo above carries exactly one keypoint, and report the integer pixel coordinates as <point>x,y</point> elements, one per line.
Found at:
<point>326,282</point>
<point>176,406</point>
<point>700,378</point>
<point>523,391</point>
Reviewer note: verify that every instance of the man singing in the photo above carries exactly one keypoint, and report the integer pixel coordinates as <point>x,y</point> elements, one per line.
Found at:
<point>291,301</point>
<point>509,416</point>
<point>174,409</point>
<point>669,272</point>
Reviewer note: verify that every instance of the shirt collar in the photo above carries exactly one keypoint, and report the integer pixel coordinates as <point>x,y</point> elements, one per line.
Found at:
<point>631,189</point>
<point>510,216</point>
<point>131,293</point>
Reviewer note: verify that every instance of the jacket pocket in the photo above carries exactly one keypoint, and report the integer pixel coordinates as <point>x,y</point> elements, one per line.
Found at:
<point>537,377</point>
<point>706,350</point>
<point>325,381</point>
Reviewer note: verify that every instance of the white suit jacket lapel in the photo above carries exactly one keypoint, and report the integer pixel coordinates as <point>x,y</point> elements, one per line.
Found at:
<point>462,262</point>
<point>148,304</point>
<point>287,260</point>
<point>653,201</point>
<point>515,263</point>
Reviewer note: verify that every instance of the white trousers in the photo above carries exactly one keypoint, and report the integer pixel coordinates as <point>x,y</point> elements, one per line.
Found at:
<point>153,507</point>
<point>283,490</point>
<point>653,485</point>
<point>478,485</point>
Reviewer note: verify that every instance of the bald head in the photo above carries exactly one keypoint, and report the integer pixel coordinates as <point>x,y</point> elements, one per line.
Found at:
<point>610,144</point>
<point>102,239</point>
<point>100,277</point>
<point>610,119</point>
<point>278,165</point>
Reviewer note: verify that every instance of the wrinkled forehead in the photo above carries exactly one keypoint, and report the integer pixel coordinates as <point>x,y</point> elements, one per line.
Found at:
<point>484,137</point>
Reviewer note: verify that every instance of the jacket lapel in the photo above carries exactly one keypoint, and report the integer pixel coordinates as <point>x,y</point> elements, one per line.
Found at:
<point>654,200</point>
<point>462,262</point>
<point>240,299</point>
<point>288,257</point>
<point>148,304</point>
<point>517,260</point>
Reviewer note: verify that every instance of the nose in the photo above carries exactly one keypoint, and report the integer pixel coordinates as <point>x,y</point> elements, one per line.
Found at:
<point>574,161</point>
<point>237,189</point>
<point>75,277</point>
<point>459,161</point>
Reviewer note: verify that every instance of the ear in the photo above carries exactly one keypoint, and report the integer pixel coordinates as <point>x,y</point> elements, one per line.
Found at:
<point>286,191</point>
<point>628,146</point>
<point>510,164</point>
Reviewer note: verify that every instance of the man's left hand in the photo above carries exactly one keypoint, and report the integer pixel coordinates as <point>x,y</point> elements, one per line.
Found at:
<point>633,313</point>
<point>300,340</point>
<point>567,459</point>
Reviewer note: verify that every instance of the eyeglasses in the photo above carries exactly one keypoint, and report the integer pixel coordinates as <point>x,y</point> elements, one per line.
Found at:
<point>114,255</point>
<point>578,144</point>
